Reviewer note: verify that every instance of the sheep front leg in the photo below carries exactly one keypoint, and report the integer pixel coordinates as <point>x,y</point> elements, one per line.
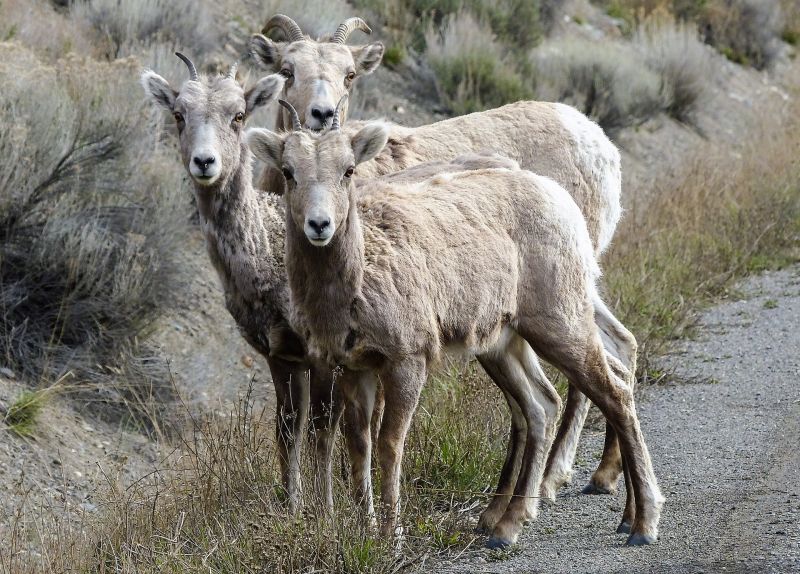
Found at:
<point>358,393</point>
<point>402,384</point>
<point>326,406</point>
<point>291,389</point>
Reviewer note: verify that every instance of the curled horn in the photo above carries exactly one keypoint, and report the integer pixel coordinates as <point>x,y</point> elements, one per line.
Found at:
<point>335,120</point>
<point>232,71</point>
<point>296,125</point>
<point>347,27</point>
<point>192,70</point>
<point>287,25</point>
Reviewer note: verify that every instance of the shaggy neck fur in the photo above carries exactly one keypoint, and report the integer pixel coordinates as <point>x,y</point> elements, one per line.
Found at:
<point>325,283</point>
<point>240,227</point>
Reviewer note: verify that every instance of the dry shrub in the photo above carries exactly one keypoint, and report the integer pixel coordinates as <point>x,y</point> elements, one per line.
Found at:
<point>36,24</point>
<point>674,51</point>
<point>126,26</point>
<point>89,219</point>
<point>745,31</point>
<point>315,17</point>
<point>607,81</point>
<point>472,69</point>
<point>725,215</point>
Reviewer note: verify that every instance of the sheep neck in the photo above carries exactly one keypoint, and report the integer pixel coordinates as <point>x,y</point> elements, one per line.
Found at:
<point>326,281</point>
<point>236,236</point>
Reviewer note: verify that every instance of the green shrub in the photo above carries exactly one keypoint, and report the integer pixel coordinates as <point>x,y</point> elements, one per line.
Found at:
<point>471,68</point>
<point>675,52</point>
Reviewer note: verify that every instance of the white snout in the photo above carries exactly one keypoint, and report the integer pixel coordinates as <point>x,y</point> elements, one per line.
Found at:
<point>321,107</point>
<point>205,163</point>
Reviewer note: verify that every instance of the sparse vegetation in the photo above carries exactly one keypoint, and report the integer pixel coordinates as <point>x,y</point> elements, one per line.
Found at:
<point>92,209</point>
<point>88,223</point>
<point>473,71</point>
<point>611,84</point>
<point>23,414</point>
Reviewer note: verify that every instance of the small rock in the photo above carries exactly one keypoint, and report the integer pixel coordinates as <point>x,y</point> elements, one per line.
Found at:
<point>248,361</point>
<point>7,373</point>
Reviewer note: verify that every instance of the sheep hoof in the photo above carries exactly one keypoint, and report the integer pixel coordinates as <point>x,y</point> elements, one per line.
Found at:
<point>638,539</point>
<point>593,488</point>
<point>495,543</point>
<point>624,527</point>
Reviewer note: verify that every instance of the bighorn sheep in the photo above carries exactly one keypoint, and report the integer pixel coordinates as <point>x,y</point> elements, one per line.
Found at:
<point>244,237</point>
<point>383,277</point>
<point>553,140</point>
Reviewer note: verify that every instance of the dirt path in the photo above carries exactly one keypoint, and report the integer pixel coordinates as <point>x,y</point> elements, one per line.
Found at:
<point>725,441</point>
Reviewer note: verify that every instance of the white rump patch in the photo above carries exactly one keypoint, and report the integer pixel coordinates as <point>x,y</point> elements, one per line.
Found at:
<point>599,161</point>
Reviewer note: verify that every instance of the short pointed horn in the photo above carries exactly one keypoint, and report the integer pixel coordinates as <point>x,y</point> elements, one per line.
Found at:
<point>232,71</point>
<point>347,27</point>
<point>287,25</point>
<point>335,124</point>
<point>296,125</point>
<point>192,70</point>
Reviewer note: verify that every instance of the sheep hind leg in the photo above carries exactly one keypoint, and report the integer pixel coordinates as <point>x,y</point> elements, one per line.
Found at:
<point>516,370</point>
<point>508,475</point>
<point>587,368</point>
<point>621,349</point>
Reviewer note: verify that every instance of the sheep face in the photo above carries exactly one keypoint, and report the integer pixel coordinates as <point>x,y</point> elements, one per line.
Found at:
<point>317,73</point>
<point>318,169</point>
<point>209,115</point>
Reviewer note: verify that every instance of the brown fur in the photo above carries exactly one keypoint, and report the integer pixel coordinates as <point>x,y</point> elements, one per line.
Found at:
<point>403,274</point>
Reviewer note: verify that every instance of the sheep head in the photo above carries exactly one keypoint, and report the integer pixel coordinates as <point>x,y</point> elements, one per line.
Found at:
<point>210,113</point>
<point>318,168</point>
<point>318,72</point>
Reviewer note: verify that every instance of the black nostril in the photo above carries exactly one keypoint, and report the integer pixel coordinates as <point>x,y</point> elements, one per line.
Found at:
<point>203,162</point>
<point>318,226</point>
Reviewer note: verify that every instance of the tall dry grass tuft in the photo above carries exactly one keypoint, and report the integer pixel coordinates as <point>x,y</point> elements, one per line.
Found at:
<point>725,215</point>
<point>88,225</point>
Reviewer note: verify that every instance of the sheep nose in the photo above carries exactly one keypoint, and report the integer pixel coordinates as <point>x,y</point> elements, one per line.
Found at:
<point>319,225</point>
<point>203,162</point>
<point>322,115</point>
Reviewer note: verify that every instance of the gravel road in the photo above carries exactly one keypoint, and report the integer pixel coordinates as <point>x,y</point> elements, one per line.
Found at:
<point>724,435</point>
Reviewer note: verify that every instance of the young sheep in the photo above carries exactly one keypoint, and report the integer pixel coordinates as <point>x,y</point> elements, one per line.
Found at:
<point>554,140</point>
<point>383,278</point>
<point>244,237</point>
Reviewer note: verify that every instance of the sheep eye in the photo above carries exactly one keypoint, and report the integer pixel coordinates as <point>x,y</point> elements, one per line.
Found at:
<point>178,117</point>
<point>351,76</point>
<point>349,172</point>
<point>238,118</point>
<point>287,173</point>
<point>286,73</point>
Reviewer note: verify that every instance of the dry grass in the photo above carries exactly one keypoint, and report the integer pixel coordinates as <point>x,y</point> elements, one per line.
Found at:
<point>725,215</point>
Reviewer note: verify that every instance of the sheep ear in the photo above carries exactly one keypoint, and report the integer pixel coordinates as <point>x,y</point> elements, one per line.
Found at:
<point>266,146</point>
<point>265,51</point>
<point>367,58</point>
<point>158,90</point>
<point>369,142</point>
<point>266,90</point>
